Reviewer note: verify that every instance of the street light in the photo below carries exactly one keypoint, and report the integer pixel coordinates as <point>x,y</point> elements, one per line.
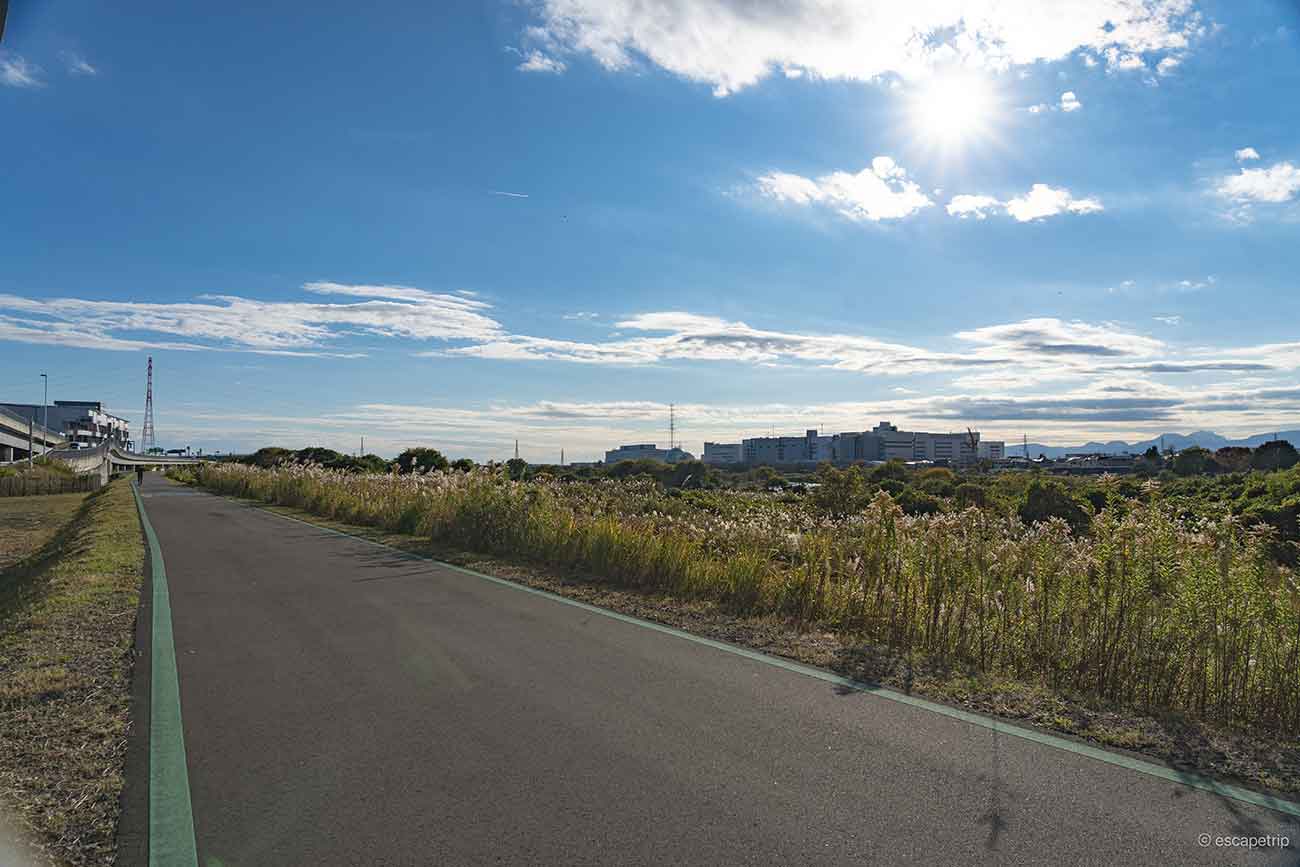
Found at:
<point>45,414</point>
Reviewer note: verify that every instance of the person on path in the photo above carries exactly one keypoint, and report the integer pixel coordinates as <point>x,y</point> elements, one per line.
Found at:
<point>139,476</point>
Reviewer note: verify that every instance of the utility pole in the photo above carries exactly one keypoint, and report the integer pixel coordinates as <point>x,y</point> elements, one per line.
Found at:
<point>30,424</point>
<point>45,413</point>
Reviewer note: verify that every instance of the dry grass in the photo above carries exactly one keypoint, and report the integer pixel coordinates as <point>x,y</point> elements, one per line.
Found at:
<point>27,524</point>
<point>68,616</point>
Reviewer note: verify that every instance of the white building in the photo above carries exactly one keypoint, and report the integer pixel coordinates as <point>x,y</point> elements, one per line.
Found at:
<point>884,442</point>
<point>992,450</point>
<point>719,454</point>
<point>83,422</point>
<point>812,447</point>
<point>647,451</point>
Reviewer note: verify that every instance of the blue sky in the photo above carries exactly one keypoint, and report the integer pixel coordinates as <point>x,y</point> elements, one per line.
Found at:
<point>458,224</point>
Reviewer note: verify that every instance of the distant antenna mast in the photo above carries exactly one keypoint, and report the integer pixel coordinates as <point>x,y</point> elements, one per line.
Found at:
<point>516,449</point>
<point>672,426</point>
<point>1026,438</point>
<point>561,457</point>
<point>147,433</point>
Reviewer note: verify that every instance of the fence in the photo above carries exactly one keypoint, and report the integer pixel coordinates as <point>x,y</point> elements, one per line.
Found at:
<point>26,485</point>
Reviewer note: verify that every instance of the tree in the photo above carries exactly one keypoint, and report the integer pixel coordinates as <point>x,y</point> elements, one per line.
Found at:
<point>1233,459</point>
<point>1045,500</point>
<point>892,469</point>
<point>516,467</point>
<point>421,460</point>
<point>839,493</point>
<point>269,456</point>
<point>1193,462</point>
<point>463,465</point>
<point>1275,455</point>
<point>1151,461</point>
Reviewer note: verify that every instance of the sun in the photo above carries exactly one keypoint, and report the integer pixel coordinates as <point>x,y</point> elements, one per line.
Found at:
<point>954,108</point>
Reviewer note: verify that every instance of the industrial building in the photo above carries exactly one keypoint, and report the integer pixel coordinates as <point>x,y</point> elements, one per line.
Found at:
<point>647,451</point>
<point>83,423</point>
<point>884,442</point>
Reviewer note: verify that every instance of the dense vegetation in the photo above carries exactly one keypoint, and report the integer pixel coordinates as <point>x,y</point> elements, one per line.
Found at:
<point>1260,487</point>
<point>1159,597</point>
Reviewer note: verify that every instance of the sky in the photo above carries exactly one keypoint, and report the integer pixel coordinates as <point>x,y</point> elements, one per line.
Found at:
<point>465,224</point>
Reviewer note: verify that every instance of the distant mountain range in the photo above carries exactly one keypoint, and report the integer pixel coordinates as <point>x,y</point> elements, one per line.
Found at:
<point>1206,439</point>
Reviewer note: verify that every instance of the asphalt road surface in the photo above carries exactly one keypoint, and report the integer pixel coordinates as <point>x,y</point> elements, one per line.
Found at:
<point>344,704</point>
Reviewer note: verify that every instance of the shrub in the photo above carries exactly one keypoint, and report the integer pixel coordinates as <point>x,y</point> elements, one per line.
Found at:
<point>1047,500</point>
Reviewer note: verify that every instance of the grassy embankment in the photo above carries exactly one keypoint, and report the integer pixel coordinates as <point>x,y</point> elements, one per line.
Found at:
<point>1148,633</point>
<point>69,588</point>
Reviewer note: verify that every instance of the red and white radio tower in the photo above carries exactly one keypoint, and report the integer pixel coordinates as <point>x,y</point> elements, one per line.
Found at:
<point>146,434</point>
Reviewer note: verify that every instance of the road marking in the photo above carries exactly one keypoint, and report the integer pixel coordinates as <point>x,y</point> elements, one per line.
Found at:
<point>171,818</point>
<point>1195,781</point>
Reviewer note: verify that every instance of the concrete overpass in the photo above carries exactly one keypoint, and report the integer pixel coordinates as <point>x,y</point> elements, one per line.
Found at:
<point>14,442</point>
<point>107,459</point>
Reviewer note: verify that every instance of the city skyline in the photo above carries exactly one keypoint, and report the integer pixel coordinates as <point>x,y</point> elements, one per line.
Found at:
<point>468,224</point>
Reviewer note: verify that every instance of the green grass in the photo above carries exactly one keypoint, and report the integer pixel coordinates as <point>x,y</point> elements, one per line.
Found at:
<point>67,617</point>
<point>1148,610</point>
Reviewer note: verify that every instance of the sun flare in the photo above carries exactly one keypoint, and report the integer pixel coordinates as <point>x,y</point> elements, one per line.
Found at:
<point>954,108</point>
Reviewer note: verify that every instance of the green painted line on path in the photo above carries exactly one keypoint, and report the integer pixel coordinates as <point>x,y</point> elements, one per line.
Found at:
<point>1195,781</point>
<point>171,818</point>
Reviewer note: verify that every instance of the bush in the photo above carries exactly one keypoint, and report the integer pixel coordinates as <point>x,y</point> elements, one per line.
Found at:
<point>970,494</point>
<point>1275,455</point>
<point>421,459</point>
<point>1046,500</point>
<point>839,493</point>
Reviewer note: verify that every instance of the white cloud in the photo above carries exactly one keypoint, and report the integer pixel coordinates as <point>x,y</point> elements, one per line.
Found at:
<point>536,61</point>
<point>1167,66</point>
<point>1039,109</point>
<point>1041,201</point>
<point>1044,201</point>
<point>881,192</point>
<point>1070,102</point>
<point>15,71</point>
<point>1061,340</point>
<point>507,194</point>
<point>1122,61</point>
<point>732,44</point>
<point>582,315</point>
<point>231,322</point>
<point>1277,183</point>
<point>78,65</point>
<point>1245,154</point>
<point>1172,319</point>
<point>978,207</point>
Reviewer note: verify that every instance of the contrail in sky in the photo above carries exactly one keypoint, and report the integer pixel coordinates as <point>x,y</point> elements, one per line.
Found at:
<point>511,195</point>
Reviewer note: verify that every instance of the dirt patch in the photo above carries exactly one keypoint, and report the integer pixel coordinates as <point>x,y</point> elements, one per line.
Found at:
<point>65,664</point>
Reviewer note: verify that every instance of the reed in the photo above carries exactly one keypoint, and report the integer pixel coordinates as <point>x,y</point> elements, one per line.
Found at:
<point>1147,610</point>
